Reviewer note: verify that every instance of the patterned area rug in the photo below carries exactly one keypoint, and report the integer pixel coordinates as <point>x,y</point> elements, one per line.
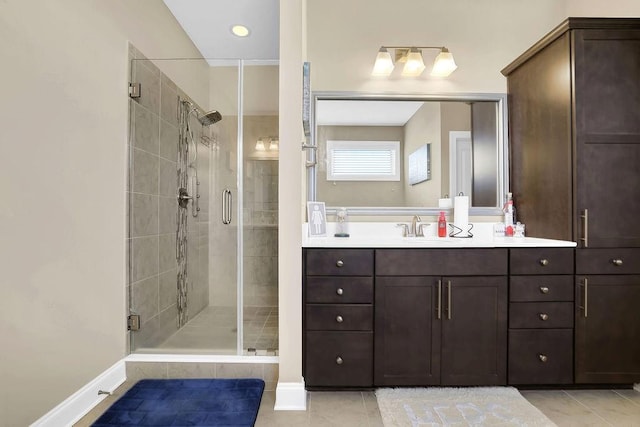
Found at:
<point>472,406</point>
<point>192,402</point>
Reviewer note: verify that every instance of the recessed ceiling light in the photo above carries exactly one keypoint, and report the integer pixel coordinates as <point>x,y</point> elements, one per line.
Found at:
<point>240,30</point>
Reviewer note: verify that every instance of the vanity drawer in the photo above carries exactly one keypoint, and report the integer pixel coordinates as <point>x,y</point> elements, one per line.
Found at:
<point>541,261</point>
<point>541,288</point>
<point>339,359</point>
<point>339,290</point>
<point>532,315</point>
<point>541,356</point>
<point>440,262</point>
<point>339,317</point>
<point>608,261</point>
<point>339,262</point>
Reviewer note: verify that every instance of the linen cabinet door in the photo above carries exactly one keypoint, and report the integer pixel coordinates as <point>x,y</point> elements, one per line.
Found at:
<point>407,331</point>
<point>474,331</point>
<point>608,136</point>
<point>607,329</point>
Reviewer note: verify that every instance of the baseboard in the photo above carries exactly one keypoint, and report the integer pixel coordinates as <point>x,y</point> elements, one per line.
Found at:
<point>82,401</point>
<point>291,397</point>
<point>636,387</point>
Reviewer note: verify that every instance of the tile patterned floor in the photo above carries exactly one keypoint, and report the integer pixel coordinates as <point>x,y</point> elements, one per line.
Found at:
<point>619,408</point>
<point>213,331</point>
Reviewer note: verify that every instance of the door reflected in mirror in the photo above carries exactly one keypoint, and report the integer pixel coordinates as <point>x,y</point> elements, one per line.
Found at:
<point>369,147</point>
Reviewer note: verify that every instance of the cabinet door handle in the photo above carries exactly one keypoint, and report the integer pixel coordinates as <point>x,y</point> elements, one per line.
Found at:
<point>449,299</point>
<point>585,230</point>
<point>543,358</point>
<point>339,291</point>
<point>586,296</point>
<point>439,308</point>
<point>543,316</point>
<point>339,360</point>
<point>617,262</point>
<point>339,319</point>
<point>544,289</point>
<point>544,262</point>
<point>340,263</point>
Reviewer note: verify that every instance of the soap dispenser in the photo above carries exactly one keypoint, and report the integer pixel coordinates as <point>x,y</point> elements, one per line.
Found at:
<point>442,225</point>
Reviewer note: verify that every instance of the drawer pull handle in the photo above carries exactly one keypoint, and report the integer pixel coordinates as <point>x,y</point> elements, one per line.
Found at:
<point>617,262</point>
<point>544,262</point>
<point>544,289</point>
<point>340,263</point>
<point>543,316</point>
<point>339,360</point>
<point>339,291</point>
<point>339,319</point>
<point>543,358</point>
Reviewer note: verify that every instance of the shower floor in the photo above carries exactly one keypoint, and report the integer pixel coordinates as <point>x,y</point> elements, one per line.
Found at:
<point>213,331</point>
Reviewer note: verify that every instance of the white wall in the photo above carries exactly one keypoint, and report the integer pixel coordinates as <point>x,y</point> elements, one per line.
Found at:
<point>63,136</point>
<point>600,8</point>
<point>484,36</point>
<point>290,202</point>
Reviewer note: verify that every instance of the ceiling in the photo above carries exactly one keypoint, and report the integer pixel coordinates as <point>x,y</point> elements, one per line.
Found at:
<point>365,113</point>
<point>208,23</point>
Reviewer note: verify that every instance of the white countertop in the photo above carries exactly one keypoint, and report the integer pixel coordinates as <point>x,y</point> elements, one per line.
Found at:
<point>389,235</point>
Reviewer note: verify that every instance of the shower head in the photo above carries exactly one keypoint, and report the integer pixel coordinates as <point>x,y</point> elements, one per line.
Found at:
<point>210,118</point>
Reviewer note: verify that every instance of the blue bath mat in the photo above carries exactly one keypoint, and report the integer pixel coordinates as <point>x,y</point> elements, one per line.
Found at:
<point>192,402</point>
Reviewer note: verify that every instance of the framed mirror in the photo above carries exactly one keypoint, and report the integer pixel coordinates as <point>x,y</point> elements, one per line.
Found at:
<point>384,154</point>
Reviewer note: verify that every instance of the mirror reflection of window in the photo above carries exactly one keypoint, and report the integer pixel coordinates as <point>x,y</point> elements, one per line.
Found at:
<point>473,168</point>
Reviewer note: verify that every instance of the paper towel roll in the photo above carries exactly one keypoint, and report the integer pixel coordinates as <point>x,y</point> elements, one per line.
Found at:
<point>461,212</point>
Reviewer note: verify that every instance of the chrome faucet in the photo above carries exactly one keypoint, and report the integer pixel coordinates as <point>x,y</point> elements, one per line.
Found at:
<point>415,231</point>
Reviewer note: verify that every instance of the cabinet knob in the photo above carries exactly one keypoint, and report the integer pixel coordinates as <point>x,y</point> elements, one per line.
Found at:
<point>339,360</point>
<point>544,289</point>
<point>543,358</point>
<point>543,316</point>
<point>340,263</point>
<point>544,262</point>
<point>339,319</point>
<point>339,291</point>
<point>617,262</point>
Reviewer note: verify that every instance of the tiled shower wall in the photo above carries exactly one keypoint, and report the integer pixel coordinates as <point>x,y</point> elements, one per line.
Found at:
<point>152,192</point>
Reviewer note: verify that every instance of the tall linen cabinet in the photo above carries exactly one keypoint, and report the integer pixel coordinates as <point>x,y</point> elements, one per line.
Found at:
<point>574,130</point>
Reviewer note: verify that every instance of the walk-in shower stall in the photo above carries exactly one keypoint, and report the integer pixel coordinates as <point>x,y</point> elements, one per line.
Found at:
<point>203,209</point>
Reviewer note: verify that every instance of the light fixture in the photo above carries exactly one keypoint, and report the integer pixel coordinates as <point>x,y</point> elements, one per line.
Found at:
<point>274,145</point>
<point>260,145</point>
<point>240,30</point>
<point>443,65</point>
<point>414,65</point>
<point>384,63</point>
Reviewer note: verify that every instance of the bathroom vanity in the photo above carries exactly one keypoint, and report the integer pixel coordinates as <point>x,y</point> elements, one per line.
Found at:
<point>406,311</point>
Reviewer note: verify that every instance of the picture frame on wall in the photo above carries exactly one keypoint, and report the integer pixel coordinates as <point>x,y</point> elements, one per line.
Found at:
<point>317,217</point>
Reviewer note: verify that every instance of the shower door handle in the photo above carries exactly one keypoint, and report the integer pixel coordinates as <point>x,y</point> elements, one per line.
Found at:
<point>227,203</point>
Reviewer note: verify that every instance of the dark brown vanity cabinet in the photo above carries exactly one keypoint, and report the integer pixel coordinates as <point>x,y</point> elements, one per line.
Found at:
<point>574,135</point>
<point>440,317</point>
<point>607,316</point>
<point>338,318</point>
<point>541,312</point>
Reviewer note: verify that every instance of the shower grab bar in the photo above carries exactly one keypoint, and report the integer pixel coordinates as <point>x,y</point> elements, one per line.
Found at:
<point>227,203</point>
